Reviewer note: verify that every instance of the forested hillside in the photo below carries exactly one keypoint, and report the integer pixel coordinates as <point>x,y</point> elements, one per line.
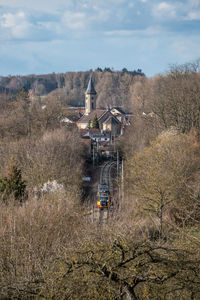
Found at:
<point>113,88</point>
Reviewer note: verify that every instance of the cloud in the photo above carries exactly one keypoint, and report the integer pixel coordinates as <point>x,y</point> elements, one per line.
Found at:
<point>16,25</point>
<point>150,31</point>
<point>75,20</point>
<point>188,10</point>
<point>23,27</point>
<point>164,10</point>
<point>82,23</point>
<point>193,15</point>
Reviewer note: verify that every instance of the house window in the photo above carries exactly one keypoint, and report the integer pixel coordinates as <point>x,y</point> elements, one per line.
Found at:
<point>92,105</point>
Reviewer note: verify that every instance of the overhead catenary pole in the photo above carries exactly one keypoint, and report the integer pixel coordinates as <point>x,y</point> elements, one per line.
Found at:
<point>93,156</point>
<point>110,143</point>
<point>97,151</point>
<point>122,199</point>
<point>117,163</point>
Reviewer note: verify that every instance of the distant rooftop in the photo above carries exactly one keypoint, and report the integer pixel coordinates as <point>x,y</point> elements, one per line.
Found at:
<point>119,109</point>
<point>86,118</point>
<point>112,120</point>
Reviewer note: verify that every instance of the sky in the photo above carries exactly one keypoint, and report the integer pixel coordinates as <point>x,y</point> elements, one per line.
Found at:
<point>45,36</point>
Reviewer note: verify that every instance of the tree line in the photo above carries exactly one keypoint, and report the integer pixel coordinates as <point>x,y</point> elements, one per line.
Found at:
<point>69,88</point>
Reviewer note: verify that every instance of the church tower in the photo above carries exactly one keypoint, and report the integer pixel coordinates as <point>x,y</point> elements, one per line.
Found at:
<point>90,98</point>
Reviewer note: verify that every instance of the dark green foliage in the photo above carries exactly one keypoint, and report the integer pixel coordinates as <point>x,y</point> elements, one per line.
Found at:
<point>124,70</point>
<point>99,70</point>
<point>89,124</point>
<point>23,101</point>
<point>107,70</point>
<point>12,183</point>
<point>95,123</point>
<point>22,94</point>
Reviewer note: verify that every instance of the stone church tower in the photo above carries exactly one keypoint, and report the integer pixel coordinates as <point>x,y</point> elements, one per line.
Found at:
<point>90,98</point>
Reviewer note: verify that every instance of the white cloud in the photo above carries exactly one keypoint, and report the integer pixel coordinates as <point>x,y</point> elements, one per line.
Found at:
<point>75,20</point>
<point>15,25</point>
<point>83,21</point>
<point>189,10</point>
<point>193,15</point>
<point>150,31</point>
<point>19,26</point>
<point>164,10</point>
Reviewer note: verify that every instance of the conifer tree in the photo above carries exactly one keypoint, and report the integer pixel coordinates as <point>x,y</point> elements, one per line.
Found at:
<point>95,123</point>
<point>89,124</point>
<point>12,183</point>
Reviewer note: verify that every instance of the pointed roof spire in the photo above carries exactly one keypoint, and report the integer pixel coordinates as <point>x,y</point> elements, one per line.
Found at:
<point>90,88</point>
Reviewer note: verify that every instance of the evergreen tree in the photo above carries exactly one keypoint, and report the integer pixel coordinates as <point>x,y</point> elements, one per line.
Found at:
<point>12,183</point>
<point>23,111</point>
<point>95,123</point>
<point>23,96</point>
<point>89,124</point>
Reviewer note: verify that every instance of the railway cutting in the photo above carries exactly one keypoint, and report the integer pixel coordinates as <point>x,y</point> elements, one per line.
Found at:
<point>103,209</point>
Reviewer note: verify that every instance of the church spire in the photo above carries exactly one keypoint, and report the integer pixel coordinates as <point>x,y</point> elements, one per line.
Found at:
<point>90,88</point>
<point>90,98</point>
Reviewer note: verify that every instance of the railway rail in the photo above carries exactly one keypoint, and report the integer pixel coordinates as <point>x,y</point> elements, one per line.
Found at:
<point>101,214</point>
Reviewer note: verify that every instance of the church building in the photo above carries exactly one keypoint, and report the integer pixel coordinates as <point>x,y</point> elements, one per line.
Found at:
<point>108,119</point>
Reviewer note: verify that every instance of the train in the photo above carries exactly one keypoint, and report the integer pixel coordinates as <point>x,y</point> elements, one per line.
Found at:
<point>104,197</point>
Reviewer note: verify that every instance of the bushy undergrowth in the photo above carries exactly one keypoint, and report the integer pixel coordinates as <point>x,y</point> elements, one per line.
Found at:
<point>49,250</point>
<point>31,237</point>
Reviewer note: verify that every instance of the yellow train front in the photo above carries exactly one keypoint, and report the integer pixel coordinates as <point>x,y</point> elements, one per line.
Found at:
<point>104,197</point>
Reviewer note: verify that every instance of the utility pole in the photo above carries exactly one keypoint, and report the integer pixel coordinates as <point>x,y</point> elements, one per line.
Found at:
<point>110,143</point>
<point>97,151</point>
<point>93,156</point>
<point>122,199</point>
<point>117,163</point>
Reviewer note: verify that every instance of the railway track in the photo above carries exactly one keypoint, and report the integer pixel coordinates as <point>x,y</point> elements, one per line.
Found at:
<point>105,177</point>
<point>101,215</point>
